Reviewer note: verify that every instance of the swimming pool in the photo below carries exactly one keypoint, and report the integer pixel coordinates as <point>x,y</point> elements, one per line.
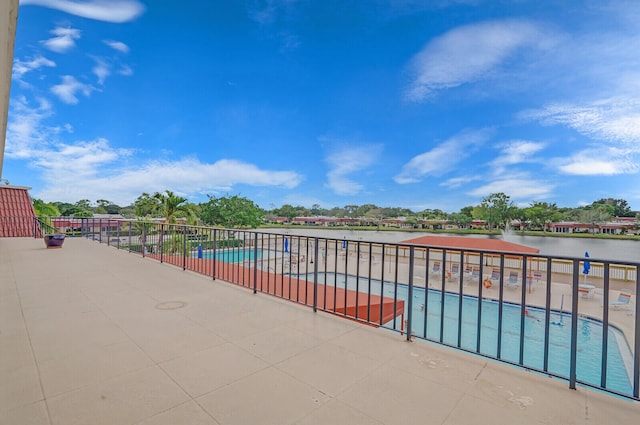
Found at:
<point>231,255</point>
<point>428,311</point>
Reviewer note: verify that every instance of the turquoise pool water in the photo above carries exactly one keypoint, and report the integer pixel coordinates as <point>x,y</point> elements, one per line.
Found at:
<point>232,255</point>
<point>589,353</point>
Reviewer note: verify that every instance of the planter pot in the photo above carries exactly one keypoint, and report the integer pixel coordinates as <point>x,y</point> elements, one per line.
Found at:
<point>53,241</point>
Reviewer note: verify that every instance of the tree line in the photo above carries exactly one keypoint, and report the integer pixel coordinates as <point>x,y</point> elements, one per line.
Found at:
<point>234,211</point>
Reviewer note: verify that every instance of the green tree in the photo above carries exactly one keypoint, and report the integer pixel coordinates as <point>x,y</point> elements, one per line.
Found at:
<point>460,220</point>
<point>44,211</point>
<point>541,214</point>
<point>232,212</point>
<point>620,207</point>
<point>172,206</point>
<point>288,211</point>
<point>596,215</point>
<point>146,205</point>
<point>497,209</point>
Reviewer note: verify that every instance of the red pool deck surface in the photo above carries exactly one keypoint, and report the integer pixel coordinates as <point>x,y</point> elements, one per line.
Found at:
<point>93,335</point>
<point>353,304</point>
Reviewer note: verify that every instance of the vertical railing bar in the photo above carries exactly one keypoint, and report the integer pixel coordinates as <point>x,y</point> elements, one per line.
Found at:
<point>130,234</point>
<point>500,308</point>
<point>443,266</point>
<point>523,309</point>
<point>315,274</point>
<point>346,267</point>
<point>460,297</point>
<point>426,292</point>
<point>574,326</point>
<point>184,247</point>
<point>410,295</point>
<point>382,258</point>
<point>161,242</point>
<point>214,257</point>
<point>325,259</point>
<point>269,264</point>
<point>547,316</point>
<point>357,278</point>
<point>335,277</point>
<point>369,283</point>
<point>298,268</point>
<point>636,351</point>
<point>255,263</point>
<point>144,239</point>
<point>479,319</point>
<point>605,329</point>
<point>395,289</point>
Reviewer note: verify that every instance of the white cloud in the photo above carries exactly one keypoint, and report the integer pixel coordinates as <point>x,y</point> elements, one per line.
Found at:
<point>117,45</point>
<point>65,39</point>
<point>456,182</point>
<point>600,161</point>
<point>125,70</point>
<point>518,186</point>
<point>612,120</point>
<point>67,90</point>
<point>123,184</point>
<point>469,53</point>
<point>345,161</point>
<point>101,69</point>
<point>116,11</point>
<point>443,157</point>
<point>25,131</point>
<point>613,125</point>
<point>517,151</point>
<point>80,169</point>
<point>22,67</point>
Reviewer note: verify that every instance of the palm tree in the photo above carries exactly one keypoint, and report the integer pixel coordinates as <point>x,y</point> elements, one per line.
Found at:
<point>172,206</point>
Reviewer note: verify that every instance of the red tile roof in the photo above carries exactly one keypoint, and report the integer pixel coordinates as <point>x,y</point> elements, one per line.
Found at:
<point>458,242</point>
<point>16,213</point>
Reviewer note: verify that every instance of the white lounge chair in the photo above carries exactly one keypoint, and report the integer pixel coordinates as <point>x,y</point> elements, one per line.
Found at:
<point>513,281</point>
<point>436,268</point>
<point>623,301</point>
<point>455,271</point>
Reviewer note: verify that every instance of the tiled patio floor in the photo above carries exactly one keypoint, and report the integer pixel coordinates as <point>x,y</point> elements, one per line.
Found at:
<point>92,335</point>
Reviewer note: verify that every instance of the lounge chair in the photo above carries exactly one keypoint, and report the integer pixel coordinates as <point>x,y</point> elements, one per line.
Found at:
<point>623,301</point>
<point>513,281</point>
<point>475,274</point>
<point>455,271</point>
<point>495,275</point>
<point>436,268</point>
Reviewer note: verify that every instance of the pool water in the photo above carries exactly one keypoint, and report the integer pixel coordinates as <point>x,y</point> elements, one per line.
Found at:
<point>231,255</point>
<point>589,344</point>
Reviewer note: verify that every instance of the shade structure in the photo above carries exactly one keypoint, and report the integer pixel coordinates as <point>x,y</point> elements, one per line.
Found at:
<point>479,244</point>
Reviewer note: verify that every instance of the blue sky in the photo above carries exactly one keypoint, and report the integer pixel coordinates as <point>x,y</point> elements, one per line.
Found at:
<point>418,104</point>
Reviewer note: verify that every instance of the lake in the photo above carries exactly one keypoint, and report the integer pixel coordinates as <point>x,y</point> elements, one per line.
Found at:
<point>603,249</point>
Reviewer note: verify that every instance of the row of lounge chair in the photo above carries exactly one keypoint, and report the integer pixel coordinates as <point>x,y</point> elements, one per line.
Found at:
<point>473,273</point>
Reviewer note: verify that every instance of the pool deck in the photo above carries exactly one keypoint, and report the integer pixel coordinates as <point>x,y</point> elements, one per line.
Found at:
<point>93,335</point>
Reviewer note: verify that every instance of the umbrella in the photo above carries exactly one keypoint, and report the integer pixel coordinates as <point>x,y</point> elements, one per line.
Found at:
<point>286,244</point>
<point>587,264</point>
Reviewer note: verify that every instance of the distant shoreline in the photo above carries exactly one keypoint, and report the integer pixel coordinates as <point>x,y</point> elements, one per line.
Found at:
<point>456,232</point>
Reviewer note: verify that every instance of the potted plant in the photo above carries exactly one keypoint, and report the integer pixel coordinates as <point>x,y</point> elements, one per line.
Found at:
<point>54,240</point>
<point>44,212</point>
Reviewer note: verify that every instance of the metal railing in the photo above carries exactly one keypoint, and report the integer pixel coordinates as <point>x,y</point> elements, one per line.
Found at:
<point>533,311</point>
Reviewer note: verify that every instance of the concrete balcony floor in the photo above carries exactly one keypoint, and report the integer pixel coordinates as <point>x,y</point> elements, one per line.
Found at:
<point>92,335</point>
